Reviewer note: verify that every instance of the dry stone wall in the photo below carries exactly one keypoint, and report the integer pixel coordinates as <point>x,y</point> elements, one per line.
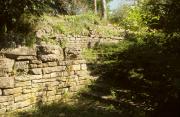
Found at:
<point>31,76</point>
<point>87,41</point>
<point>46,72</point>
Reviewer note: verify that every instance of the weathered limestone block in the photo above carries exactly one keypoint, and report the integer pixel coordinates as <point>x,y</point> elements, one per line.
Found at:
<point>73,53</point>
<point>76,67</point>
<point>5,105</point>
<point>35,62</point>
<point>56,74</point>
<point>49,57</point>
<point>38,85</point>
<point>22,104</point>
<point>39,65</point>
<point>49,80</point>
<point>49,53</point>
<point>53,69</point>
<point>36,71</point>
<point>31,66</point>
<point>6,66</point>
<point>22,97</point>
<point>26,90</point>
<point>52,84</point>
<point>12,91</point>
<point>50,93</point>
<point>21,51</point>
<point>21,65</point>
<point>68,73</point>
<point>52,64</point>
<point>49,49</point>
<point>25,58</point>
<point>23,78</point>
<point>6,99</point>
<point>44,65</point>
<point>23,84</point>
<point>61,63</point>
<point>6,82</point>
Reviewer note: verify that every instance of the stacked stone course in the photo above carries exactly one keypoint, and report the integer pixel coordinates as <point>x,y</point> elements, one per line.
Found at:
<point>44,73</point>
<point>29,76</point>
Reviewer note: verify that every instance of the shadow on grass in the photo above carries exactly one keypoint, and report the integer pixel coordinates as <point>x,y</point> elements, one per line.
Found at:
<point>149,72</point>
<point>82,108</point>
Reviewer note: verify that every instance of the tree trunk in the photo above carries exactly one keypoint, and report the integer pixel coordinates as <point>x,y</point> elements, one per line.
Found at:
<point>95,6</point>
<point>104,9</point>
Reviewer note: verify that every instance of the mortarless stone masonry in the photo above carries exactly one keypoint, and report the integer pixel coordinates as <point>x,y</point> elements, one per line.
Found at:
<point>43,74</point>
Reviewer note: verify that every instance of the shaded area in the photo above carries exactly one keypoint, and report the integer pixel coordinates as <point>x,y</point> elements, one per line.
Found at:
<point>143,76</point>
<point>82,108</point>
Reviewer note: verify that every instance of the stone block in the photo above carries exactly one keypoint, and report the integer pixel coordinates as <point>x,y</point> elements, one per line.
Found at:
<point>22,104</point>
<point>23,78</point>
<point>50,57</point>
<point>26,90</point>
<point>6,98</point>
<point>21,51</point>
<point>53,69</point>
<point>35,62</point>
<point>52,64</point>
<point>50,93</point>
<point>49,49</point>
<point>12,91</point>
<point>76,67</point>
<point>20,58</point>
<point>39,65</point>
<point>31,66</point>
<point>6,82</point>
<point>37,81</point>
<point>21,65</point>
<point>6,66</point>
<point>22,97</point>
<point>36,71</point>
<point>22,84</point>
<point>56,74</point>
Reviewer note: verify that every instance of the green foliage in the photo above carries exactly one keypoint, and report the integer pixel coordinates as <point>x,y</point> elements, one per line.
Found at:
<point>11,11</point>
<point>147,66</point>
<point>129,17</point>
<point>79,24</point>
<point>162,14</point>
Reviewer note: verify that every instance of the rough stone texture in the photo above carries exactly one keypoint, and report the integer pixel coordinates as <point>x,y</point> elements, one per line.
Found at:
<point>21,65</point>
<point>37,71</point>
<point>12,91</point>
<point>22,51</point>
<point>6,98</point>
<point>43,74</point>
<point>6,66</point>
<point>73,53</point>
<point>49,57</point>
<point>6,82</point>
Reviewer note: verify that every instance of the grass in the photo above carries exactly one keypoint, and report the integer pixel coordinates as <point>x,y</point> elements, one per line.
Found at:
<point>78,25</point>
<point>81,108</point>
<point>147,66</point>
